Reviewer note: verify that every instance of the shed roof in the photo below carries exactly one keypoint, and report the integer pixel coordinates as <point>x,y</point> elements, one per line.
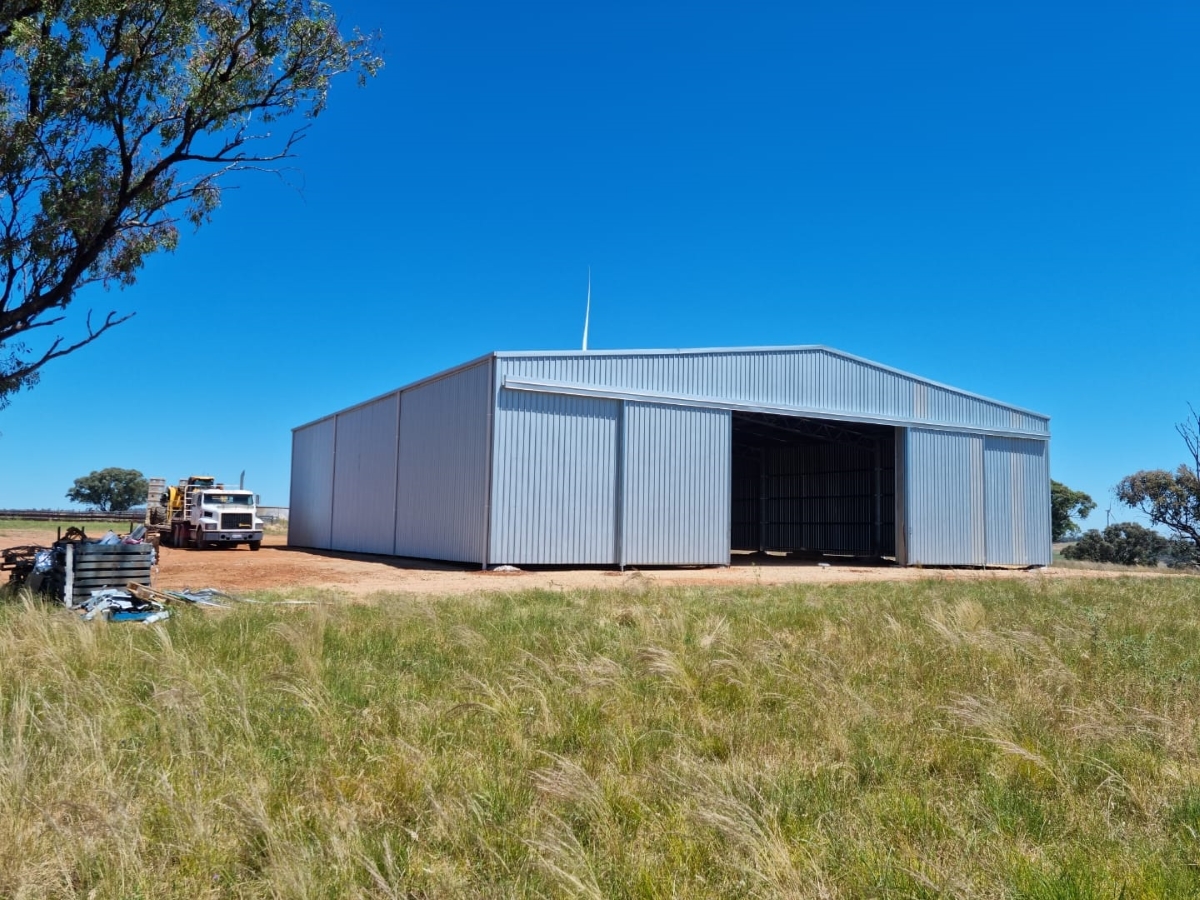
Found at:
<point>1031,421</point>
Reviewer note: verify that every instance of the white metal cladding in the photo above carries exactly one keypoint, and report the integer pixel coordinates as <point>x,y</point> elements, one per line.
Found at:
<point>311,501</point>
<point>441,486</point>
<point>809,378</point>
<point>554,480</point>
<point>364,477</point>
<point>945,499</point>
<point>1018,501</point>
<point>676,486</point>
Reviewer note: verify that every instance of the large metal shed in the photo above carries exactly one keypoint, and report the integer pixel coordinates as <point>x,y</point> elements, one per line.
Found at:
<point>675,457</point>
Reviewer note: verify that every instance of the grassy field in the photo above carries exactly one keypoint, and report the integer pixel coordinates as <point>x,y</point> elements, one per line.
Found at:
<point>94,529</point>
<point>1019,739</point>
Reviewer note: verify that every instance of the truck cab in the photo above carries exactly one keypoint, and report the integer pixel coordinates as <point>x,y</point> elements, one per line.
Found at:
<point>200,513</point>
<point>227,517</point>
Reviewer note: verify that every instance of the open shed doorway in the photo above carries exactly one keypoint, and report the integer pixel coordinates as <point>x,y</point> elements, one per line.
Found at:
<point>813,487</point>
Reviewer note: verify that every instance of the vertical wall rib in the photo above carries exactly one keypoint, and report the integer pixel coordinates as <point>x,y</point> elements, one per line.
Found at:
<point>677,485</point>
<point>946,501</point>
<point>310,504</point>
<point>364,505</point>
<point>441,486</point>
<point>554,480</point>
<point>1018,502</point>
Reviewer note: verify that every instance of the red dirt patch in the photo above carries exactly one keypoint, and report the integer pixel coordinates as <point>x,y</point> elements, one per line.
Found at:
<point>277,566</point>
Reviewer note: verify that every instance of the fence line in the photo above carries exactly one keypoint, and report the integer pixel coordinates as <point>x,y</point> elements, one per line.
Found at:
<point>73,515</point>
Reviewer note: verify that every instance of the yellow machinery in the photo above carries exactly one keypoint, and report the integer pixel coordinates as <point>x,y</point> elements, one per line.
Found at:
<point>200,513</point>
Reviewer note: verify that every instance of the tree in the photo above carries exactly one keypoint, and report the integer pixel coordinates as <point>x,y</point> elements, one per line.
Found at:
<point>1065,505</point>
<point>110,490</point>
<point>1170,499</point>
<point>1126,543</point>
<point>1182,554</point>
<point>121,118</point>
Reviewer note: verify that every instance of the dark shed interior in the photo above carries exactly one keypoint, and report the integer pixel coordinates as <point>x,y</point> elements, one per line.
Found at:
<point>805,485</point>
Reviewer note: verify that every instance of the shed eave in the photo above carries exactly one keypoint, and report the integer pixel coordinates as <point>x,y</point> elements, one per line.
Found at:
<point>445,373</point>
<point>616,393</point>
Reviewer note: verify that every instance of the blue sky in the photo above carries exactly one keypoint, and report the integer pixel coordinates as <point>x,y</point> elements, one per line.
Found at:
<point>1000,197</point>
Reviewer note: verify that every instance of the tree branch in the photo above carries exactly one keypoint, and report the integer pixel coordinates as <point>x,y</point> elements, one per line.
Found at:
<point>119,119</point>
<point>110,321</point>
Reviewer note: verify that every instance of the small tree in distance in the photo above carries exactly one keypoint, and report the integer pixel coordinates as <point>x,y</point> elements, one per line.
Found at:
<point>1065,505</point>
<point>1171,499</point>
<point>110,490</point>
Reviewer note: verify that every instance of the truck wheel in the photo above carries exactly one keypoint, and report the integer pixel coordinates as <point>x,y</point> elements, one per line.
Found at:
<point>254,545</point>
<point>201,544</point>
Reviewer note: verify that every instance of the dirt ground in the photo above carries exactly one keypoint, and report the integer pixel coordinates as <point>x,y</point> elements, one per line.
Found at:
<point>278,566</point>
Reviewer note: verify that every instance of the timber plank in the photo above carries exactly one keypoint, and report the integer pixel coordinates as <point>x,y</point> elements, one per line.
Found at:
<point>111,566</point>
<point>109,580</point>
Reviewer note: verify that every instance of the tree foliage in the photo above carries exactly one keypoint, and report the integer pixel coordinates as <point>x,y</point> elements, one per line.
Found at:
<point>121,118</point>
<point>110,490</point>
<point>1126,543</point>
<point>1065,505</point>
<point>1170,499</point>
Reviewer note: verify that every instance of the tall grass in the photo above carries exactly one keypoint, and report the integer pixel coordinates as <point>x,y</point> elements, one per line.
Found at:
<point>1026,739</point>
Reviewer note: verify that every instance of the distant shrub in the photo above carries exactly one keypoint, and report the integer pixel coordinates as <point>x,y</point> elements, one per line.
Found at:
<point>1125,543</point>
<point>1182,554</point>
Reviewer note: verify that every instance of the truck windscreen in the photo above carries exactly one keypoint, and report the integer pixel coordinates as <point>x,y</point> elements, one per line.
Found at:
<point>233,499</point>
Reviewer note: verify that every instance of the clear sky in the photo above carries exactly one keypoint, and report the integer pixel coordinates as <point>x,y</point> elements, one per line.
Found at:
<point>1002,197</point>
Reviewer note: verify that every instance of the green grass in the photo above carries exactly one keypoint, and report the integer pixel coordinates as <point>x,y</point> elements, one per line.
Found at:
<point>1026,739</point>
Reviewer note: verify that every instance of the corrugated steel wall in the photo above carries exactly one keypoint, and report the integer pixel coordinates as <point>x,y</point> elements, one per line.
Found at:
<point>440,493</point>
<point>676,496</point>
<point>975,500</point>
<point>364,477</point>
<point>1018,501</point>
<point>403,474</point>
<point>809,378</point>
<point>945,499</point>
<point>821,497</point>
<point>311,500</point>
<point>554,480</point>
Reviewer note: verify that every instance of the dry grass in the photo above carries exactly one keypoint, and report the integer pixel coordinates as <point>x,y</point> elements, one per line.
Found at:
<point>983,740</point>
<point>10,527</point>
<point>279,526</point>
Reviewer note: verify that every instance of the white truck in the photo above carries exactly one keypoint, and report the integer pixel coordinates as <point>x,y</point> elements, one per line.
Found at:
<point>200,513</point>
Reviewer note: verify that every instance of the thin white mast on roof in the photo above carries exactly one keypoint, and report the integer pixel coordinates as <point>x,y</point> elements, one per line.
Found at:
<point>587,314</point>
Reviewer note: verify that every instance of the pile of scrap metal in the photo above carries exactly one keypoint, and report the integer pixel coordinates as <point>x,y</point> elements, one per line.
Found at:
<point>139,603</point>
<point>30,565</point>
<point>117,605</point>
<point>202,597</point>
<point>27,566</point>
